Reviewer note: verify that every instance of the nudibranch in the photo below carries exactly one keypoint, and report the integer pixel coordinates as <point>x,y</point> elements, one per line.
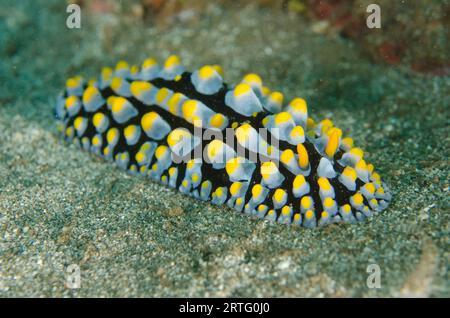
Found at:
<point>234,145</point>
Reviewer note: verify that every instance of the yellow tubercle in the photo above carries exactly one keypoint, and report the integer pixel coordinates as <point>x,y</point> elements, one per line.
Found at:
<point>349,172</point>
<point>195,177</point>
<point>148,119</point>
<point>78,122</point>
<point>172,171</point>
<point>162,95</point>
<point>69,131</point>
<point>175,136</point>
<point>279,195</point>
<point>241,89</point>
<point>361,164</point>
<point>219,192</point>
<point>277,97</point>
<point>297,132</point>
<point>357,152</point>
<point>358,198</point>
<point>370,187</point>
<point>92,81</point>
<point>380,190</point>
<point>326,125</point>
<point>267,169</point>
<point>346,208</point>
<point>149,62</point>
<point>89,94</point>
<point>309,214</point>
<point>232,165</point>
<point>287,156</point>
<point>189,108</point>
<point>376,177</point>
<point>96,140</point>
<point>328,202</point>
<point>134,69</point>
<point>97,119</point>
<point>116,83</point>
<point>262,208</point>
<point>118,104</point>
<point>111,135</point>
<point>106,73</point>
<point>218,69</point>
<point>161,151</point>
<point>265,90</point>
<point>139,87</point>
<point>324,184</point>
<point>217,120</point>
<point>129,131</point>
<point>235,188</point>
<point>286,211</point>
<point>71,101</point>
<point>121,65</point>
<point>139,156</point>
<point>282,118</point>
<point>190,164</point>
<point>299,105</point>
<point>172,61</point>
<point>310,123</point>
<point>206,72</point>
<point>110,100</point>
<point>298,181</point>
<point>306,202</point>
<point>348,142</point>
<point>253,78</point>
<point>243,132</point>
<point>173,102</point>
<point>214,148</point>
<point>257,190</point>
<point>72,83</point>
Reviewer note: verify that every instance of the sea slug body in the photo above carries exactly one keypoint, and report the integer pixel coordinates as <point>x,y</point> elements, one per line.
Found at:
<point>239,146</point>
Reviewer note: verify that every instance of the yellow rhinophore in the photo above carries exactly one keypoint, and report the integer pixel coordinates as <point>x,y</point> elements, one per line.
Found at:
<point>303,158</point>
<point>324,184</point>
<point>333,141</point>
